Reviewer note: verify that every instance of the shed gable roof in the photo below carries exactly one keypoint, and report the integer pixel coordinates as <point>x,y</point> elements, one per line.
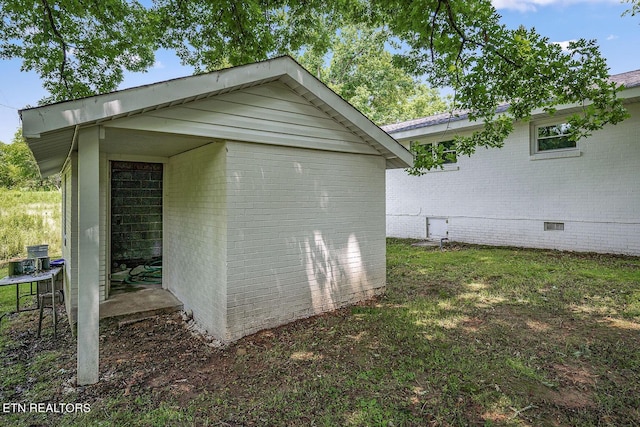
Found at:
<point>50,129</point>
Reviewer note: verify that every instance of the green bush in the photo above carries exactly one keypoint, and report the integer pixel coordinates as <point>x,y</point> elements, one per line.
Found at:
<point>19,170</point>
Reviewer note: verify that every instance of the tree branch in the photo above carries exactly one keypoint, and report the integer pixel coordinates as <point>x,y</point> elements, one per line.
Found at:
<point>433,29</point>
<point>239,23</point>
<point>63,45</point>
<point>466,39</point>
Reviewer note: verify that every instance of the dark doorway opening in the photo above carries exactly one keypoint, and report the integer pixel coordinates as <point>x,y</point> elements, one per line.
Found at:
<point>136,221</point>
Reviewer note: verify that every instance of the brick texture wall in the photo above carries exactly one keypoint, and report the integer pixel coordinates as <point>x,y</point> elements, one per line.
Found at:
<point>194,263</point>
<point>136,212</point>
<point>305,233</point>
<point>257,236</point>
<point>503,197</point>
<point>69,183</point>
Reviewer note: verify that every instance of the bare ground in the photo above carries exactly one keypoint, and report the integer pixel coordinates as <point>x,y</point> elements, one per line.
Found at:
<point>465,357</point>
<point>161,359</point>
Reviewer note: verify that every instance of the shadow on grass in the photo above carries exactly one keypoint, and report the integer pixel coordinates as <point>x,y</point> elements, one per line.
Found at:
<point>468,336</point>
<point>547,331</point>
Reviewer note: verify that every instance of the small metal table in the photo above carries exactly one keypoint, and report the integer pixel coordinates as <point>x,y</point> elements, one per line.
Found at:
<point>30,278</point>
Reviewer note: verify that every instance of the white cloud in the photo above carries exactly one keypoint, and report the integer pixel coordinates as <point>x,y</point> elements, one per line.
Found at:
<point>564,45</point>
<point>532,5</point>
<point>158,65</point>
<point>520,5</point>
<point>612,37</point>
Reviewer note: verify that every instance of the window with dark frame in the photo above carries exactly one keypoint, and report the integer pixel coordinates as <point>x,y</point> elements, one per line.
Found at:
<point>448,150</point>
<point>554,137</point>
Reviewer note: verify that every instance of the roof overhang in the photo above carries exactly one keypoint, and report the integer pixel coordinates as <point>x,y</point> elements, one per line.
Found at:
<point>50,129</point>
<point>459,122</point>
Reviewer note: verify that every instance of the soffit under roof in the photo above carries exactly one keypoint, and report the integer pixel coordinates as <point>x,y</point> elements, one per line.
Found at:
<point>50,129</point>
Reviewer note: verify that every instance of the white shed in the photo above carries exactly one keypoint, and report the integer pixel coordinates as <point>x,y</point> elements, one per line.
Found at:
<point>262,190</point>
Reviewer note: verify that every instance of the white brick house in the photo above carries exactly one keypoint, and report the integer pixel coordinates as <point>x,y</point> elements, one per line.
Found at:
<point>536,191</point>
<point>272,205</point>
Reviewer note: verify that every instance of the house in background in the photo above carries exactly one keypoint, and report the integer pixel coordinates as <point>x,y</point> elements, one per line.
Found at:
<point>539,190</point>
<point>262,190</point>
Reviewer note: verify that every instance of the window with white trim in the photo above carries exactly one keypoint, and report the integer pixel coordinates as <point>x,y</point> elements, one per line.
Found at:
<point>447,149</point>
<point>449,153</point>
<point>552,137</point>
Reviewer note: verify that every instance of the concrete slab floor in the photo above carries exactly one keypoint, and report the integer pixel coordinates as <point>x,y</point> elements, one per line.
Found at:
<point>149,301</point>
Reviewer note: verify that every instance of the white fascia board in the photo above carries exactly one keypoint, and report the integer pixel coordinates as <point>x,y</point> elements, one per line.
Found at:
<point>442,128</point>
<point>631,94</point>
<point>342,107</point>
<point>41,120</point>
<point>51,117</point>
<point>627,96</point>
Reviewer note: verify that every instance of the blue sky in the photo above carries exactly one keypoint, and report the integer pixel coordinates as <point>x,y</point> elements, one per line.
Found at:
<point>559,20</point>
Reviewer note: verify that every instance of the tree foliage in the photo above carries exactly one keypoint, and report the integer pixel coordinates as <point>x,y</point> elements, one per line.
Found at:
<point>81,48</point>
<point>362,71</point>
<point>78,48</point>
<point>635,7</point>
<point>463,45</point>
<point>208,35</point>
<point>18,168</point>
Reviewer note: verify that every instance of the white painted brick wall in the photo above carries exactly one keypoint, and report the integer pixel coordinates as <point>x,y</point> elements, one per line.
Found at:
<point>103,222</point>
<point>501,197</point>
<point>306,233</point>
<point>195,220</point>
<point>69,249</point>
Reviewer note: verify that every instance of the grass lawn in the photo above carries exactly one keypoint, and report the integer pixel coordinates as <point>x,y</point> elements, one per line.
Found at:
<point>468,336</point>
<point>28,218</point>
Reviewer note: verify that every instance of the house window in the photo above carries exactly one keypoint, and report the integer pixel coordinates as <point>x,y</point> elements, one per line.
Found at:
<point>553,137</point>
<point>445,149</point>
<point>448,151</point>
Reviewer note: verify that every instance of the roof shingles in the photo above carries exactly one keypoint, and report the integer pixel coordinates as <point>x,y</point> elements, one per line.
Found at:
<point>629,79</point>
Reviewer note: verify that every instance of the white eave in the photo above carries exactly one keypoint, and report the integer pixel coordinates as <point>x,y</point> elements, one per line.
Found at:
<point>49,130</point>
<point>456,122</point>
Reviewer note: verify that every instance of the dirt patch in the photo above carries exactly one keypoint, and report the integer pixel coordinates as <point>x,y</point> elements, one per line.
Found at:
<point>472,325</point>
<point>157,353</point>
<point>572,399</point>
<point>577,376</point>
<point>160,354</point>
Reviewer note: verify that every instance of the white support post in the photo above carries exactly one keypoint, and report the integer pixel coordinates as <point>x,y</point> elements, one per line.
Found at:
<point>88,255</point>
